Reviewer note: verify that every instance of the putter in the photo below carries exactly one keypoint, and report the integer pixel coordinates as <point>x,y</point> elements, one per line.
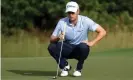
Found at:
<point>59,61</point>
<point>55,77</point>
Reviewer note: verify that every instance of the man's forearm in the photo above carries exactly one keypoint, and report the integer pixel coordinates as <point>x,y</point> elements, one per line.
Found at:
<point>101,33</point>
<point>54,39</point>
<point>99,36</point>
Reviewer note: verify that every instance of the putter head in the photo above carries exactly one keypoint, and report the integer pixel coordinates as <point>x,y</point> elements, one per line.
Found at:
<point>55,77</point>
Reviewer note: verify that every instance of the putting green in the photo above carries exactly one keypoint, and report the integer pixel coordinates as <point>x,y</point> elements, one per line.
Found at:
<point>107,65</point>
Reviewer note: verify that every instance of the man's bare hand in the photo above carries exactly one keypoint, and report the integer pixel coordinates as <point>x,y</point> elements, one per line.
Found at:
<point>91,43</point>
<point>61,36</point>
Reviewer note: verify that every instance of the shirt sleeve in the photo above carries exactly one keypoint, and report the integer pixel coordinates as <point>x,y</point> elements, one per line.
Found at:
<point>57,29</point>
<point>92,26</point>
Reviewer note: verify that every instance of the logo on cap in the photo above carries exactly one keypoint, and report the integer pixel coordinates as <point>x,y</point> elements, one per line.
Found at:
<point>72,6</point>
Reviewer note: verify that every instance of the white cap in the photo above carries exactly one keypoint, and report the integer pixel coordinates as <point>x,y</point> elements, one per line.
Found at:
<point>72,7</point>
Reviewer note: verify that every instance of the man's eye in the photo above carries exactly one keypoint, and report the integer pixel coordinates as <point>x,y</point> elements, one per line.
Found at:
<point>70,12</point>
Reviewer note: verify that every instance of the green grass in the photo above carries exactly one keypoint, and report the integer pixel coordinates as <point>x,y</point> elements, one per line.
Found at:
<point>25,57</point>
<point>115,64</point>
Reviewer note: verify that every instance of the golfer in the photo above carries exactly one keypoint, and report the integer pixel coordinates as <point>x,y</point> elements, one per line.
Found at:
<point>76,45</point>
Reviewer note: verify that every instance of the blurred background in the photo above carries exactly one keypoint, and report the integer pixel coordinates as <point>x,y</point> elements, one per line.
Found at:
<point>26,25</point>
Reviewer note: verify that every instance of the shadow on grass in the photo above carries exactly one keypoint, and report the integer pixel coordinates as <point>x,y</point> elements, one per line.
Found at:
<point>33,73</point>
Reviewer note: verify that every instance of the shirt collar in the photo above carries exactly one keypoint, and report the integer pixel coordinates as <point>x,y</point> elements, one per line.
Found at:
<point>79,19</point>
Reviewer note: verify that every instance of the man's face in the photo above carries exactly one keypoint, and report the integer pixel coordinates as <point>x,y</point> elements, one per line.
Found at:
<point>72,16</point>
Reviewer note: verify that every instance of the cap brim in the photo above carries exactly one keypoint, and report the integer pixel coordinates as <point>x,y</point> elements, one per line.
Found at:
<point>71,10</point>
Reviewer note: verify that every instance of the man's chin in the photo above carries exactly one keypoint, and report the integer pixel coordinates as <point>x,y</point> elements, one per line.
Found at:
<point>72,19</point>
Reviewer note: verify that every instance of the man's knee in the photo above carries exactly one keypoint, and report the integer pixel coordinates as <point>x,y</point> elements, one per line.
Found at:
<point>51,47</point>
<point>83,46</point>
